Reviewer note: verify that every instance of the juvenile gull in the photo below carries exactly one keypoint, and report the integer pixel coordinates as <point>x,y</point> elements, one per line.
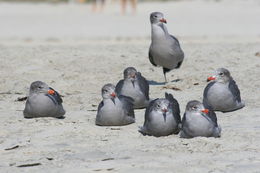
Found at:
<point>198,121</point>
<point>222,93</point>
<point>134,85</point>
<point>162,117</point>
<point>114,110</point>
<point>165,50</point>
<point>43,101</point>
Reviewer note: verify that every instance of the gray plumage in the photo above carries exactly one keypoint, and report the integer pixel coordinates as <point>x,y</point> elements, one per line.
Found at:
<point>198,121</point>
<point>134,85</point>
<point>43,101</point>
<point>114,110</point>
<point>222,93</point>
<point>162,117</point>
<point>165,50</point>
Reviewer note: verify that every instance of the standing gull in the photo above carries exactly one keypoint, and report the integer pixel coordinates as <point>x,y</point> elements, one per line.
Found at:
<point>43,101</point>
<point>198,121</point>
<point>134,85</point>
<point>165,49</point>
<point>162,117</point>
<point>222,93</point>
<point>114,110</point>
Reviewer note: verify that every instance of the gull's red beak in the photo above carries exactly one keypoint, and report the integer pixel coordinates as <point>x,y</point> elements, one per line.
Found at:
<point>211,78</point>
<point>163,20</point>
<point>164,110</point>
<point>51,92</point>
<point>113,94</point>
<point>206,111</point>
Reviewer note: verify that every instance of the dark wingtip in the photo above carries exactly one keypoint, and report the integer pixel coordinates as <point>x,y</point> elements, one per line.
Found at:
<point>164,116</point>
<point>113,100</point>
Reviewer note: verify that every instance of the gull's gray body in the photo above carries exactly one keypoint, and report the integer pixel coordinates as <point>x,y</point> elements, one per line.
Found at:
<point>134,85</point>
<point>197,123</point>
<point>162,123</point>
<point>42,104</point>
<point>114,110</point>
<point>165,50</point>
<point>222,94</point>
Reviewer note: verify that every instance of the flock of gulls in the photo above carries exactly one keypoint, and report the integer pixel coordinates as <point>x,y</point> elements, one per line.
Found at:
<point>162,115</point>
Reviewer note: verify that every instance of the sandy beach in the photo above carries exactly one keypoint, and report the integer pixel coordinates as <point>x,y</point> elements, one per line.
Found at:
<point>77,52</point>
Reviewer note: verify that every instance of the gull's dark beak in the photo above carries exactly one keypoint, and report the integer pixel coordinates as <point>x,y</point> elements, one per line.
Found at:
<point>163,20</point>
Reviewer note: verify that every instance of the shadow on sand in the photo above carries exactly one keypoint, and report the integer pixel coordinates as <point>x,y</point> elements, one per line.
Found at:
<point>152,82</point>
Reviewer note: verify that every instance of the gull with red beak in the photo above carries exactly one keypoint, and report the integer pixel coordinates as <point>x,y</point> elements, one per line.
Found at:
<point>43,101</point>
<point>199,121</point>
<point>134,85</point>
<point>165,50</point>
<point>222,93</point>
<point>114,110</point>
<point>162,117</point>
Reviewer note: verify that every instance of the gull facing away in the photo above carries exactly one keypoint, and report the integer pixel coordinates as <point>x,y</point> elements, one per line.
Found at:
<point>43,101</point>
<point>222,93</point>
<point>165,50</point>
<point>114,110</point>
<point>198,121</point>
<point>134,85</point>
<point>162,117</point>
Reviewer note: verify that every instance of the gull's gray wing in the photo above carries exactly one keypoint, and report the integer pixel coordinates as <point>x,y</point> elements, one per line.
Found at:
<point>128,105</point>
<point>177,51</point>
<point>148,111</point>
<point>234,90</point>
<point>175,107</point>
<point>176,40</point>
<point>119,87</point>
<point>147,119</point>
<point>184,128</point>
<point>205,95</point>
<point>144,85</point>
<point>151,56</point>
<point>213,117</point>
<point>101,104</point>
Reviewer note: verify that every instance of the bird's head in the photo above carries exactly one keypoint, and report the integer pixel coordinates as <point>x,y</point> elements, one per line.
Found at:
<point>221,75</point>
<point>196,107</point>
<point>157,18</point>
<point>40,87</point>
<point>108,91</point>
<point>162,106</point>
<point>130,74</point>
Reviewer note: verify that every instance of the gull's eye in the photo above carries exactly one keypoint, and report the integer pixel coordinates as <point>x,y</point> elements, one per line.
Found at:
<point>105,91</point>
<point>40,87</point>
<point>155,16</point>
<point>158,106</point>
<point>194,108</point>
<point>221,74</point>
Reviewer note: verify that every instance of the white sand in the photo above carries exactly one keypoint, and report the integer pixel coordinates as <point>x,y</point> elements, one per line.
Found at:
<point>70,49</point>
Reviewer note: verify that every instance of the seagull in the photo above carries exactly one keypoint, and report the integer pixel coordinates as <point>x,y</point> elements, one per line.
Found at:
<point>162,117</point>
<point>165,50</point>
<point>134,85</point>
<point>198,121</point>
<point>222,93</point>
<point>43,101</point>
<point>114,110</point>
